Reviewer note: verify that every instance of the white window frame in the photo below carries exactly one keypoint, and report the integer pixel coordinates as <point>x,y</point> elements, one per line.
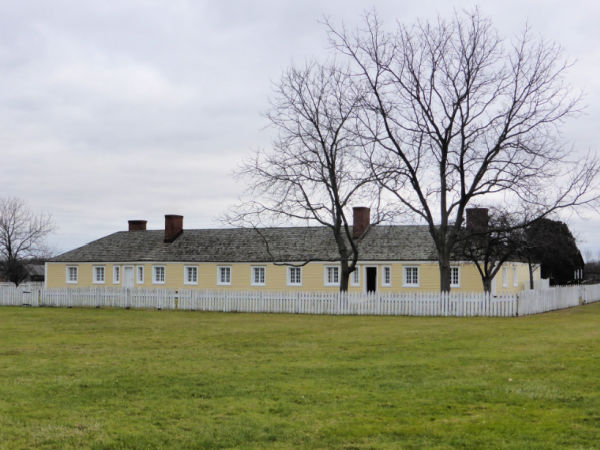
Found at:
<point>255,275</point>
<point>116,275</point>
<point>95,271</point>
<point>156,279</point>
<point>186,279</point>
<point>405,281</point>
<point>454,269</point>
<point>298,281</point>
<point>504,276</point>
<point>384,282</point>
<point>515,275</point>
<point>327,279</point>
<point>224,269</point>
<point>70,280</point>
<point>355,277</point>
<point>139,274</point>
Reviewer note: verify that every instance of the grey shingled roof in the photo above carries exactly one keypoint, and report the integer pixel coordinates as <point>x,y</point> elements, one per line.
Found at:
<point>36,270</point>
<point>294,244</point>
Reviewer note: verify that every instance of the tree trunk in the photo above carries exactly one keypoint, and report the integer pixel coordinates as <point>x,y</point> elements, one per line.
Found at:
<point>444,265</point>
<point>344,283</point>
<point>344,276</point>
<point>530,274</point>
<point>487,284</point>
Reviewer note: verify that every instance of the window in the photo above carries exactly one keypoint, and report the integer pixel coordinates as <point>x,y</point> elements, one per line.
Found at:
<point>191,275</point>
<point>386,276</point>
<point>504,276</point>
<point>98,274</point>
<point>332,276</point>
<point>158,274</point>
<point>355,278</point>
<point>72,274</point>
<point>455,276</point>
<point>258,276</point>
<point>116,274</point>
<point>224,275</point>
<point>294,276</point>
<point>140,274</point>
<point>515,276</point>
<point>411,276</point>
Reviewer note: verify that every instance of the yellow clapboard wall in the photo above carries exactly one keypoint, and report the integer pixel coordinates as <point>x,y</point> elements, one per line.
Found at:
<point>512,277</point>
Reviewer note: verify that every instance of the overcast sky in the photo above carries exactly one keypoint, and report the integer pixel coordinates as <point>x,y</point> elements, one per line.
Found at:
<point>117,110</point>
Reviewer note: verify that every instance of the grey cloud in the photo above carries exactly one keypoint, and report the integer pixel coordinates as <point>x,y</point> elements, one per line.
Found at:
<point>134,109</point>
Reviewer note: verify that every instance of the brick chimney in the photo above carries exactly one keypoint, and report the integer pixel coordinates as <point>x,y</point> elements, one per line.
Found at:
<point>137,225</point>
<point>477,220</point>
<point>173,227</point>
<point>361,219</point>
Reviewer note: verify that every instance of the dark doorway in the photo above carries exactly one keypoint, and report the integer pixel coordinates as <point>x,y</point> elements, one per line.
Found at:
<point>371,279</point>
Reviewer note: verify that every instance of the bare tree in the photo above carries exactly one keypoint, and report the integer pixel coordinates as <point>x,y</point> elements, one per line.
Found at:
<point>489,245</point>
<point>22,236</point>
<point>458,115</point>
<point>312,173</point>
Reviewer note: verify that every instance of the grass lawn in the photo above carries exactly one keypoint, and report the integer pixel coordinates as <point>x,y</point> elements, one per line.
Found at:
<point>123,378</point>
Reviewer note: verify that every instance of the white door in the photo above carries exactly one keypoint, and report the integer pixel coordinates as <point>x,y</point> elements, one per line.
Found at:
<point>128,276</point>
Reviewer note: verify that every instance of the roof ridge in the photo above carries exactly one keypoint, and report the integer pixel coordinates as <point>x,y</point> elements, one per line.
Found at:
<point>297,227</point>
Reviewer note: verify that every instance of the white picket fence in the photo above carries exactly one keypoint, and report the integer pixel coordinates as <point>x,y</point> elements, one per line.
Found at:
<point>334,303</point>
<point>548,299</point>
<point>17,296</point>
<point>591,293</point>
<point>423,304</point>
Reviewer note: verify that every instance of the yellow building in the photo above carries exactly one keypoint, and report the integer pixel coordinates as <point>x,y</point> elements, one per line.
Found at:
<point>395,258</point>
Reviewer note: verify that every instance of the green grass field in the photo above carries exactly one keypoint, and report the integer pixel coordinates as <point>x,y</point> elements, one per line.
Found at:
<point>168,379</point>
